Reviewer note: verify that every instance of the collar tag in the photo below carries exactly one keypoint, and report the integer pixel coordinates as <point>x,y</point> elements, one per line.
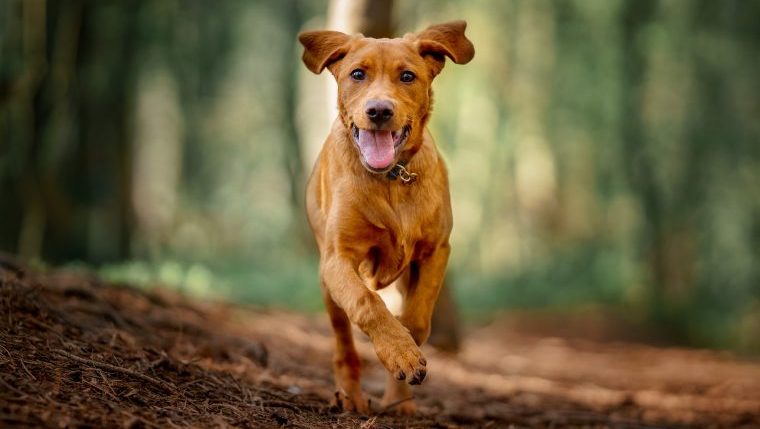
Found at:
<point>401,172</point>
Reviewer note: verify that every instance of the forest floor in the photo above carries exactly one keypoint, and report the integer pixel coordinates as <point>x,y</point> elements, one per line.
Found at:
<point>76,351</point>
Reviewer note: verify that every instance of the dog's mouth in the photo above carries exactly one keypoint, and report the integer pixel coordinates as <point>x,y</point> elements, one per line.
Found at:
<point>379,147</point>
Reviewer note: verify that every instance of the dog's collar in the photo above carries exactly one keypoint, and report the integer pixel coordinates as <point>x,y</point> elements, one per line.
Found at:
<point>400,171</point>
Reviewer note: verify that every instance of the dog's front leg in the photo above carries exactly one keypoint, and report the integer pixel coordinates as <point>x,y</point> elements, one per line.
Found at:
<point>420,290</point>
<point>393,343</point>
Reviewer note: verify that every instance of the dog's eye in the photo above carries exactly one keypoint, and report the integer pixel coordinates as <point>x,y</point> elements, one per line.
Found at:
<point>358,74</point>
<point>407,76</point>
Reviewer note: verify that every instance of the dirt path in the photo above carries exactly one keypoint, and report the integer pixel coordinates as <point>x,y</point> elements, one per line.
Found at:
<point>75,351</point>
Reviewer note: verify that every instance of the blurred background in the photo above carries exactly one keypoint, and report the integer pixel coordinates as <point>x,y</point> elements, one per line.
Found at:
<point>604,155</point>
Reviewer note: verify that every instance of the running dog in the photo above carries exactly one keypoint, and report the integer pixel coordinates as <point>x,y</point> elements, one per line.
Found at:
<point>378,199</point>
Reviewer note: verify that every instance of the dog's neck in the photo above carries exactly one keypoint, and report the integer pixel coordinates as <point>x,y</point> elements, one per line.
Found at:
<point>400,172</point>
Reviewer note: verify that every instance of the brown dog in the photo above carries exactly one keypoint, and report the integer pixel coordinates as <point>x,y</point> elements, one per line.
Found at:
<point>378,199</point>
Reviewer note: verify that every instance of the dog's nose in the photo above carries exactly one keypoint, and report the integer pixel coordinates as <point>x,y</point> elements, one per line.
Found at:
<point>379,111</point>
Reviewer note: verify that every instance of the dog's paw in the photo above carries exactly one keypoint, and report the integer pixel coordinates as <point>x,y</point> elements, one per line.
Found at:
<point>342,402</point>
<point>401,356</point>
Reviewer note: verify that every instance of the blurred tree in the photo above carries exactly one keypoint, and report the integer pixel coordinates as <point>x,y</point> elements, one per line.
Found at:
<point>637,154</point>
<point>373,18</point>
<point>601,152</point>
<point>68,118</point>
<point>294,159</point>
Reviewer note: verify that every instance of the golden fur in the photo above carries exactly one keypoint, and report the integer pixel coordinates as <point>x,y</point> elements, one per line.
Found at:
<point>373,231</point>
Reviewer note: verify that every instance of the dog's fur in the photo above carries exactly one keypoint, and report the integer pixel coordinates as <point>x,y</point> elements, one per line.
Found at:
<point>373,230</point>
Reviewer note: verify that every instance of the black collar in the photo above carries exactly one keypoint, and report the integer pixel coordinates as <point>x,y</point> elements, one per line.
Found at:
<point>400,171</point>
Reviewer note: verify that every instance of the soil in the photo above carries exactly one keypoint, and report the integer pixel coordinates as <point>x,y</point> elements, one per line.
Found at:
<point>76,351</point>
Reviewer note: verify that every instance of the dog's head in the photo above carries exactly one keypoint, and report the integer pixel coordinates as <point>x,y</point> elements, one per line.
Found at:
<point>384,94</point>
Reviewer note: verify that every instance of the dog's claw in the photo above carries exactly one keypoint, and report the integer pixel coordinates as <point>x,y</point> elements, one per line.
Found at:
<point>400,355</point>
<point>419,376</point>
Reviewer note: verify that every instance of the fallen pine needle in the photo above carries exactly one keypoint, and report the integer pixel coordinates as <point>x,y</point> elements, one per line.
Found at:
<point>395,404</point>
<point>162,384</point>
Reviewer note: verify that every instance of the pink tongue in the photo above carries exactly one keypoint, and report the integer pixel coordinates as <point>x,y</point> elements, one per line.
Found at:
<point>376,147</point>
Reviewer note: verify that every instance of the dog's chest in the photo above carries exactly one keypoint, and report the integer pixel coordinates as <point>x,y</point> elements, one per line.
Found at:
<point>388,258</point>
<point>409,226</point>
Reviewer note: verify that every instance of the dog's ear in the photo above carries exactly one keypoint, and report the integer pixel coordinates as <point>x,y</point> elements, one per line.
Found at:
<point>323,48</point>
<point>439,41</point>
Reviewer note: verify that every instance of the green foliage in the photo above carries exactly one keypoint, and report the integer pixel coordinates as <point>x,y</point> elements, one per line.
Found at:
<point>554,283</point>
<point>265,284</point>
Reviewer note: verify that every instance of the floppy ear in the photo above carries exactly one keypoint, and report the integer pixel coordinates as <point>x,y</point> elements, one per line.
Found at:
<point>445,40</point>
<point>322,48</point>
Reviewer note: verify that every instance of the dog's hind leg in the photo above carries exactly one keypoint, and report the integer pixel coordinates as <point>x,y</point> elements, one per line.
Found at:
<point>346,362</point>
<point>419,287</point>
<point>420,292</point>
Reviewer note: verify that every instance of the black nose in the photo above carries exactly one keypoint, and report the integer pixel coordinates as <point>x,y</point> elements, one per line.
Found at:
<point>379,111</point>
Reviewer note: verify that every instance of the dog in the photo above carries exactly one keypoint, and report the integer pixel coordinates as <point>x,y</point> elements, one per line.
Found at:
<point>378,200</point>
